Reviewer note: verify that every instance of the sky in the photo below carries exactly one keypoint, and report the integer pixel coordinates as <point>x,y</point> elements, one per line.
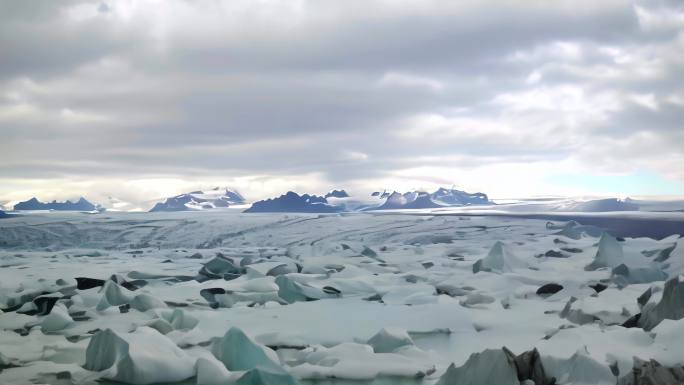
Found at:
<point>139,100</point>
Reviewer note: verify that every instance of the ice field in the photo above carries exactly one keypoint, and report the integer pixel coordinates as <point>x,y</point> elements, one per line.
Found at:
<point>360,298</point>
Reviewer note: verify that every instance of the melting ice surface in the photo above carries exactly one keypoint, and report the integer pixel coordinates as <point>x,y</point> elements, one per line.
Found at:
<point>229,298</point>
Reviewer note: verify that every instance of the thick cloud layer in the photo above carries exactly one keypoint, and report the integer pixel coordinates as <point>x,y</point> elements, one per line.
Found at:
<point>139,99</point>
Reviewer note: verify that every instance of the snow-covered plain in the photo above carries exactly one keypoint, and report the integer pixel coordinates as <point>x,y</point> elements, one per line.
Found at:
<point>226,297</point>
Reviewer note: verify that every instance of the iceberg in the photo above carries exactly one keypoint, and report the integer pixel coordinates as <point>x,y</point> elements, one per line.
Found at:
<point>651,372</point>
<point>388,340</point>
<point>144,302</point>
<point>58,319</point>
<point>239,352</point>
<point>623,275</point>
<point>609,253</point>
<point>498,367</point>
<point>490,367</point>
<point>580,368</point>
<point>144,356</point>
<point>212,372</point>
<point>113,295</point>
<point>671,306</point>
<point>179,319</point>
<point>499,260</point>
<point>266,376</point>
<point>292,291</point>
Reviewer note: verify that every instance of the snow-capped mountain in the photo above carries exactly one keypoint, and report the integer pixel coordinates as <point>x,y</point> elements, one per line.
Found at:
<point>453,197</point>
<point>409,200</point>
<point>201,200</point>
<point>337,194</point>
<point>422,200</point>
<point>34,204</point>
<point>294,203</point>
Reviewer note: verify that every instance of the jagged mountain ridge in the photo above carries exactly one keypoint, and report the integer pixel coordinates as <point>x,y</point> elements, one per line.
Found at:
<point>34,204</point>
<point>200,200</point>
<point>293,202</point>
<point>422,200</point>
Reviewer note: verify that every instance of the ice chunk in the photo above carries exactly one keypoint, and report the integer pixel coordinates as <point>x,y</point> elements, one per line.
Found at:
<point>112,295</point>
<point>260,290</point>
<point>266,376</point>
<point>662,255</point>
<point>239,352</point>
<point>609,253</point>
<point>216,297</point>
<point>490,367</point>
<point>144,302</point>
<point>576,316</point>
<point>499,367</point>
<point>499,260</point>
<point>273,268</point>
<point>388,340</point>
<point>354,361</point>
<point>159,325</point>
<point>670,335</point>
<point>450,289</point>
<point>260,285</point>
<point>57,320</point>
<point>179,320</point>
<point>623,275</point>
<point>580,368</point>
<point>671,305</point>
<point>415,294</point>
<point>210,371</point>
<point>292,291</point>
<point>475,299</point>
<point>652,372</point>
<point>570,229</point>
<point>142,357</point>
<point>530,368</point>
<point>219,266</point>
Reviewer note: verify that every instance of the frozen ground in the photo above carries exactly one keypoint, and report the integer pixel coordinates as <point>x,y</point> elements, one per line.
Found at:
<point>203,298</point>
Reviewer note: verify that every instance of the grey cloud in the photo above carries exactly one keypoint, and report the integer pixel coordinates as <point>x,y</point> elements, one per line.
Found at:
<point>283,92</point>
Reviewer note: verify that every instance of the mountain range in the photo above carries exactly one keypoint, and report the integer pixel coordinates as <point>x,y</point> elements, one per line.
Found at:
<point>422,200</point>
<point>34,204</point>
<point>200,200</point>
<point>338,200</point>
<point>293,202</point>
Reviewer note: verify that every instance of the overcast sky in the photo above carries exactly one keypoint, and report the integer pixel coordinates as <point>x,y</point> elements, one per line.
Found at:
<point>144,99</point>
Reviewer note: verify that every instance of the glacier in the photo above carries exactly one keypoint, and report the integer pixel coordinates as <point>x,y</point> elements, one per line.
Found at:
<point>370,297</point>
